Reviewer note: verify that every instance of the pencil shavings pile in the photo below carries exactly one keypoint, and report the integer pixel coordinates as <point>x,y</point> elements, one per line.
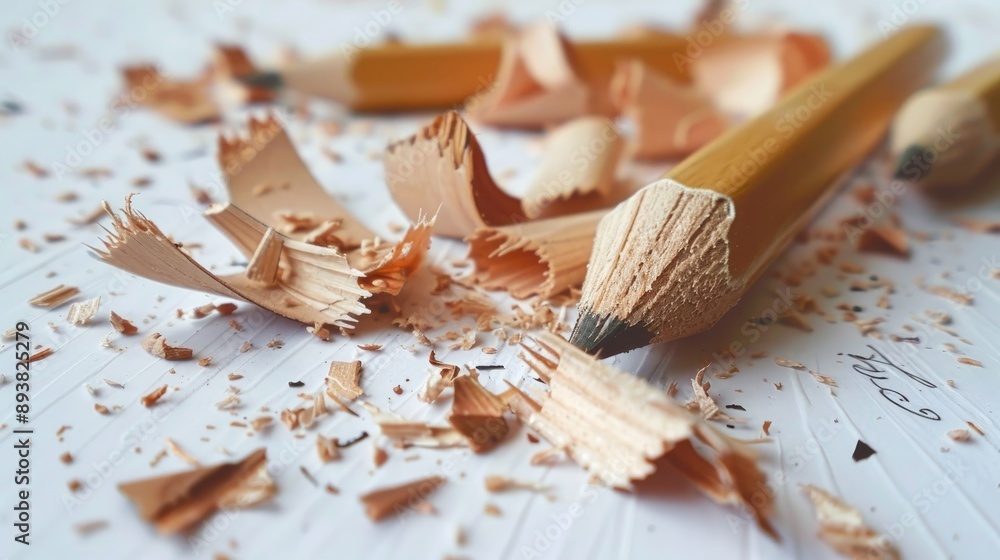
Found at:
<point>313,284</point>
<point>177,502</point>
<point>843,528</point>
<point>618,428</point>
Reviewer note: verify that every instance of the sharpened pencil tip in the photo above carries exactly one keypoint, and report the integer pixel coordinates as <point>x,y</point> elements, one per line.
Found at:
<point>269,80</point>
<point>606,335</point>
<point>912,165</point>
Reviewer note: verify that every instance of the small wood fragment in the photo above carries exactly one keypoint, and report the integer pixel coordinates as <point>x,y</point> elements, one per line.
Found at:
<point>54,297</point>
<point>153,396</point>
<point>157,345</point>
<point>380,504</point>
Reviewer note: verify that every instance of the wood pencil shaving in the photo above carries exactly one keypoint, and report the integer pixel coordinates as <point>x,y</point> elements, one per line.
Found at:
<point>442,167</point>
<point>535,84</point>
<point>344,380</point>
<point>671,120</point>
<point>187,102</point>
<point>413,433</point>
<point>54,297</point>
<point>497,483</point>
<point>153,396</point>
<point>439,377</point>
<point>578,170</point>
<point>123,326</point>
<point>635,424</point>
<point>477,414</point>
<point>399,500</point>
<point>177,502</point>
<point>82,312</point>
<point>157,345</point>
<point>843,528</point>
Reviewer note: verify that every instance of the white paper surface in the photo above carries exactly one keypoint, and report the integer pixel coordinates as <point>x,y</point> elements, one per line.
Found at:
<point>937,498</point>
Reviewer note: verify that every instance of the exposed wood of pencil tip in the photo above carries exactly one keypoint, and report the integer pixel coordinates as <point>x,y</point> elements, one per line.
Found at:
<point>675,257</point>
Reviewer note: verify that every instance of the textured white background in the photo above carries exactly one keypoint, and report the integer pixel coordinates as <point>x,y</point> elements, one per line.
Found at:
<point>814,431</point>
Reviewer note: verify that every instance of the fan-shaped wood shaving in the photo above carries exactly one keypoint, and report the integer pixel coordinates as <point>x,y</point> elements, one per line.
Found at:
<point>671,120</point>
<point>318,285</point>
<point>843,528</point>
<point>616,426</point>
<point>177,502</point>
<point>442,168</point>
<point>543,258</point>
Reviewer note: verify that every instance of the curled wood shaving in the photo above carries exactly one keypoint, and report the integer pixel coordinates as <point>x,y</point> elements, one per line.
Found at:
<point>153,396</point>
<point>477,414</point>
<point>703,403</point>
<point>439,377</point>
<point>177,502</point>
<point>843,528</point>
<point>671,120</point>
<point>542,258</point>
<point>442,167</point>
<point>54,297</point>
<point>157,345</point>
<point>82,312</point>
<point>399,500</point>
<point>536,83</point>
<point>577,171</point>
<point>343,380</point>
<point>123,326</point>
<point>617,426</point>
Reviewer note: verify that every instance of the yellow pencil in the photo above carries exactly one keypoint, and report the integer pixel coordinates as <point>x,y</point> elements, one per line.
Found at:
<point>675,257</point>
